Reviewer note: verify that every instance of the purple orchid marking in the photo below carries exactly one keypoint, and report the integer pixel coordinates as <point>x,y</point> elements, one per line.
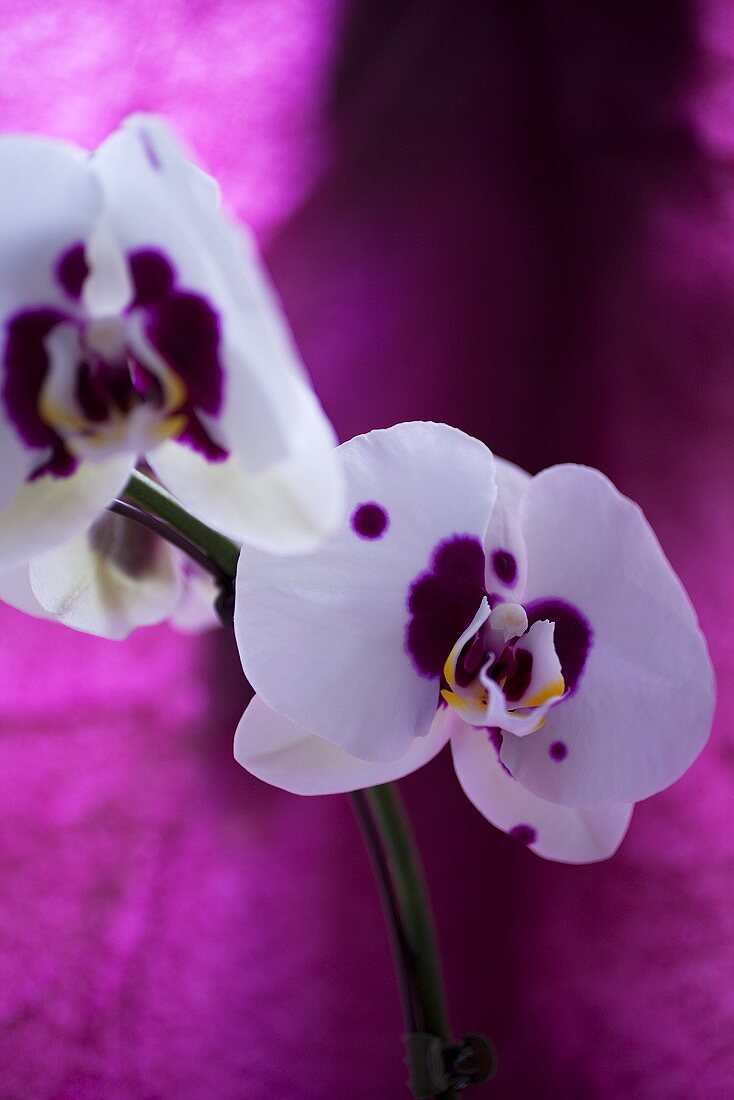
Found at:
<point>185,329</point>
<point>558,750</point>
<point>72,270</point>
<point>26,364</point>
<point>526,834</point>
<point>505,567</point>
<point>182,327</point>
<point>572,637</point>
<point>442,602</point>
<point>370,520</point>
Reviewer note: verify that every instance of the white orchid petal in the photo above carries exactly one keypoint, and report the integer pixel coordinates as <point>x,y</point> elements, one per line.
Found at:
<point>285,755</point>
<point>50,202</point>
<point>266,416</point>
<point>323,637</point>
<point>554,832</point>
<point>194,611</point>
<point>546,679</point>
<point>15,590</point>
<point>289,507</point>
<point>279,510</point>
<point>505,544</point>
<point>108,580</point>
<point>108,288</point>
<point>641,711</point>
<point>49,511</point>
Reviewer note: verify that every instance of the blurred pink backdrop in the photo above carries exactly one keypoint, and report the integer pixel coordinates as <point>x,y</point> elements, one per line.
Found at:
<point>519,219</point>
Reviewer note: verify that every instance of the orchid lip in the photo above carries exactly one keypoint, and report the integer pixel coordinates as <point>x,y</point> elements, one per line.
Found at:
<point>505,670</point>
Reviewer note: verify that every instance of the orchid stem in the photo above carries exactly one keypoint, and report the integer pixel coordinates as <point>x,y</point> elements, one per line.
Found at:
<point>408,910</point>
<point>148,495</point>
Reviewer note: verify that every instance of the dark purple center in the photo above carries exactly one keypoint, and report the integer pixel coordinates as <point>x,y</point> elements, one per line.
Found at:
<point>526,834</point>
<point>518,679</point>
<point>370,520</point>
<point>442,602</point>
<point>572,636</point>
<point>504,566</point>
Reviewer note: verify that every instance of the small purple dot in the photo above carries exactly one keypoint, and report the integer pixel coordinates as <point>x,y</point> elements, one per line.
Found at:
<point>558,750</point>
<point>72,270</point>
<point>526,834</point>
<point>505,566</point>
<point>370,520</point>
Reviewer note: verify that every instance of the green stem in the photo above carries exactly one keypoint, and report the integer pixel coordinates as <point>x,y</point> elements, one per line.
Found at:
<point>152,497</point>
<point>404,860</point>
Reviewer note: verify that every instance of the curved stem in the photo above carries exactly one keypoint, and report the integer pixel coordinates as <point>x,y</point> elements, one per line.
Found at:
<point>397,865</point>
<point>152,497</point>
<point>404,958</point>
<point>170,534</point>
<point>405,867</point>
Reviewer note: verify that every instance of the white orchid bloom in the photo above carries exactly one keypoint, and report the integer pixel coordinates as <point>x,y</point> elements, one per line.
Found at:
<point>534,623</point>
<point>112,578</point>
<point>137,321</point>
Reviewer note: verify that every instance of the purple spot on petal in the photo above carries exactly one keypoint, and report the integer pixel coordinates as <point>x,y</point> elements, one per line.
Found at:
<point>572,636</point>
<point>72,270</point>
<point>442,602</point>
<point>558,750</point>
<point>370,520</point>
<point>152,276</point>
<point>526,834</point>
<point>505,567</point>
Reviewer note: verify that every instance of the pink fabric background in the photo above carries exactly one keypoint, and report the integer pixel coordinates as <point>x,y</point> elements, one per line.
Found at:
<point>522,224</point>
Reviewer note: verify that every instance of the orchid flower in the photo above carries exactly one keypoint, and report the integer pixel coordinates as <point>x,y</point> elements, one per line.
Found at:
<point>136,321</point>
<point>112,578</point>
<point>533,622</point>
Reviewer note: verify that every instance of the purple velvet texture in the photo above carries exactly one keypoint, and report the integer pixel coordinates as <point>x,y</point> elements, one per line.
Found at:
<point>521,224</point>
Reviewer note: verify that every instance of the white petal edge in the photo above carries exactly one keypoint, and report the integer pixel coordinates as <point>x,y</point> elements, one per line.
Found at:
<point>562,834</point>
<point>16,591</point>
<point>285,755</point>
